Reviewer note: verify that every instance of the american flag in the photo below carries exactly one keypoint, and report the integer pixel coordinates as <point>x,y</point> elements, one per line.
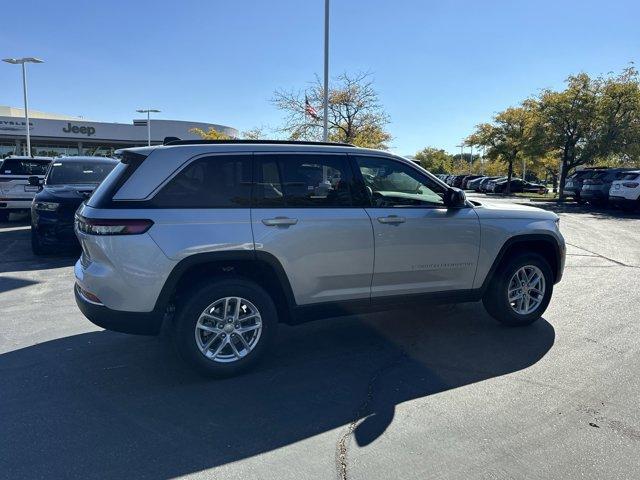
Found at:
<point>309,110</point>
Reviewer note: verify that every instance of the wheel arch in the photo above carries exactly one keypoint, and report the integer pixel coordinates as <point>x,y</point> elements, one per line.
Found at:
<point>260,267</point>
<point>545,245</point>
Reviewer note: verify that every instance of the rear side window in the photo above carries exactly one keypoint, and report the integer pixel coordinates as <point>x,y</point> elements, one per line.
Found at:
<point>620,175</point>
<point>23,167</point>
<point>303,180</point>
<point>219,181</point>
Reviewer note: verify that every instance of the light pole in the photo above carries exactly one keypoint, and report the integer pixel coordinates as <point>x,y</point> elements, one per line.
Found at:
<point>471,160</point>
<point>461,151</point>
<point>23,61</point>
<point>148,111</point>
<point>325,127</point>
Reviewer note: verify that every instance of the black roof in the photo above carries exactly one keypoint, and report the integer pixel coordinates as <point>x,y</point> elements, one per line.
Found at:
<point>168,141</point>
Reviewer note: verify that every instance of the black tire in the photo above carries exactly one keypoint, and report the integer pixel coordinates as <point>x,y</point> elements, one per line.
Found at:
<point>36,244</point>
<point>496,300</point>
<point>4,215</point>
<point>189,311</point>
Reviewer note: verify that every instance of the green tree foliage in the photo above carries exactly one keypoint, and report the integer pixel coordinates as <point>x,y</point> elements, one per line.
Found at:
<point>435,160</point>
<point>511,137</point>
<point>355,114</point>
<point>592,119</point>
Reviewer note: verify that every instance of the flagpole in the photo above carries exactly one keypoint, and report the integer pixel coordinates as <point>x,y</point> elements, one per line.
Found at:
<point>325,131</point>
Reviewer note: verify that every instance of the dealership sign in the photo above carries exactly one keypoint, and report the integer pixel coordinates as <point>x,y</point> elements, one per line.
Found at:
<point>70,128</point>
<point>76,129</point>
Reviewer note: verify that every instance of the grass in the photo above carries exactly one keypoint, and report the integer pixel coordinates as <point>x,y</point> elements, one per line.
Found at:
<point>538,196</point>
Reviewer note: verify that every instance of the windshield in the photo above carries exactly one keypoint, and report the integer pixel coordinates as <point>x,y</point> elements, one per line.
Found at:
<point>64,173</point>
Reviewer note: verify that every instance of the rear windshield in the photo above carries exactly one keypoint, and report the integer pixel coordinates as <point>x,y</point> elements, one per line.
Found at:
<point>65,173</point>
<point>579,175</point>
<point>12,166</point>
<point>104,191</point>
<point>597,174</point>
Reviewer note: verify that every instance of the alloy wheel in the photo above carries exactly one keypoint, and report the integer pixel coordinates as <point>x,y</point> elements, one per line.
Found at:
<point>526,289</point>
<point>228,329</point>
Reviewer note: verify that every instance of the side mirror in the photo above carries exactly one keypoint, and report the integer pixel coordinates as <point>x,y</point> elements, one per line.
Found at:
<point>455,198</point>
<point>34,181</point>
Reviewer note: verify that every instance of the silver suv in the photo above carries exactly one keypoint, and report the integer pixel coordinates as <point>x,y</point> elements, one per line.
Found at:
<point>217,242</point>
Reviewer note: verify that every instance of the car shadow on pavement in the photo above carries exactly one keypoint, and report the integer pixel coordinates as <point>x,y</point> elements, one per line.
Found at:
<point>103,404</point>
<point>16,254</point>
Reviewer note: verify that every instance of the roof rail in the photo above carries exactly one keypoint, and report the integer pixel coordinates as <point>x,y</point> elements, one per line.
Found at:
<point>259,142</point>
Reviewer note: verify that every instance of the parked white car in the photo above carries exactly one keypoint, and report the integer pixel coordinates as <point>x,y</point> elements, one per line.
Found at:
<point>16,194</point>
<point>626,191</point>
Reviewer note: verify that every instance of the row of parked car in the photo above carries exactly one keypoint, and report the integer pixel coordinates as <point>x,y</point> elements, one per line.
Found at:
<point>485,184</point>
<point>601,185</point>
<point>52,190</point>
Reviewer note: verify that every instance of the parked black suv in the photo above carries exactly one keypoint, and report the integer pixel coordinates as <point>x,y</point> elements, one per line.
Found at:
<point>69,181</point>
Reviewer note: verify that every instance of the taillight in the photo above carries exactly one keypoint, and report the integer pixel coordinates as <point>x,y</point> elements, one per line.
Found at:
<point>631,184</point>
<point>100,226</point>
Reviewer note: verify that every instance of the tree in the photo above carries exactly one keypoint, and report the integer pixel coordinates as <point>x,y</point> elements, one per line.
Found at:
<point>511,136</point>
<point>593,119</point>
<point>211,134</point>
<point>619,114</point>
<point>569,119</point>
<point>256,133</point>
<point>355,114</point>
<point>435,160</point>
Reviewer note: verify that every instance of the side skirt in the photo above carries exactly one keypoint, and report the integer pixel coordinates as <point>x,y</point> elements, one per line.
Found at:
<point>317,311</point>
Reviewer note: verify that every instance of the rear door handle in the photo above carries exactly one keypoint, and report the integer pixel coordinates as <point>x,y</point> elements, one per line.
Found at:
<point>391,219</point>
<point>279,221</point>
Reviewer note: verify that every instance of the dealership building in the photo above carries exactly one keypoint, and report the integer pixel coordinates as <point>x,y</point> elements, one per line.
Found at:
<point>54,134</point>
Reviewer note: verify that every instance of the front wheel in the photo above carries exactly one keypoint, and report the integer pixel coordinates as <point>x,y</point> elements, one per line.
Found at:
<point>224,327</point>
<point>520,290</point>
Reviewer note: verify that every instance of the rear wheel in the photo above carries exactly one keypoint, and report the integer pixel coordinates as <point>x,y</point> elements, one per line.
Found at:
<point>223,328</point>
<point>520,290</point>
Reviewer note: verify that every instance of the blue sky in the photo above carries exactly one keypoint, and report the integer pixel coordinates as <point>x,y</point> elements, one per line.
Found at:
<point>440,67</point>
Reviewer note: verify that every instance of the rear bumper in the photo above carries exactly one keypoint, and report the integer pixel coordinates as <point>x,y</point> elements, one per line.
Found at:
<point>139,323</point>
<point>8,204</point>
<point>622,200</point>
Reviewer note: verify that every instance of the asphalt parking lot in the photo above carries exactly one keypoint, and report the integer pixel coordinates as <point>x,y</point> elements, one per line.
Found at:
<point>445,393</point>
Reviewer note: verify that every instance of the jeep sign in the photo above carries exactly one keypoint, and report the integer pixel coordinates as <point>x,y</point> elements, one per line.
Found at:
<point>88,131</point>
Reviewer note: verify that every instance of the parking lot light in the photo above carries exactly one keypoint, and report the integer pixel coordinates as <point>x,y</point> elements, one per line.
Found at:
<point>148,111</point>
<point>23,61</point>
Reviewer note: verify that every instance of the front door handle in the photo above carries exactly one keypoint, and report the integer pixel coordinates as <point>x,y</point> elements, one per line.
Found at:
<point>391,219</point>
<point>279,221</point>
